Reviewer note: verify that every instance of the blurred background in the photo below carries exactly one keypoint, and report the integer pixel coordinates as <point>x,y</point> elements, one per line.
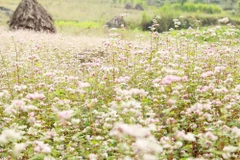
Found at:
<point>89,16</point>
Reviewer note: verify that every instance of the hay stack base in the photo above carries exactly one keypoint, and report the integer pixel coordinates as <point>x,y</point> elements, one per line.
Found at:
<point>116,22</point>
<point>31,15</point>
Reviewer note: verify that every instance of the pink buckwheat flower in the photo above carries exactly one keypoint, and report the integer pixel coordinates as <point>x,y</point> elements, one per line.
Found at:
<point>35,96</point>
<point>18,103</point>
<point>170,79</point>
<point>219,69</point>
<point>41,147</point>
<point>207,74</point>
<point>65,115</point>
<point>236,132</point>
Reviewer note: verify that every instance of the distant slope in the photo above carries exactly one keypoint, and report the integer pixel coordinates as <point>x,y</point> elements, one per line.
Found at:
<point>77,10</point>
<point>99,11</point>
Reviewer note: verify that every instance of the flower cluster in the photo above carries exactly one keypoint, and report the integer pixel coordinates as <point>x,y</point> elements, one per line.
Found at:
<point>176,100</point>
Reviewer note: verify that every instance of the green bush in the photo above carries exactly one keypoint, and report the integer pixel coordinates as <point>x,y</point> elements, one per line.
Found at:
<point>201,8</point>
<point>190,14</point>
<point>166,22</point>
<point>146,21</point>
<point>239,6</point>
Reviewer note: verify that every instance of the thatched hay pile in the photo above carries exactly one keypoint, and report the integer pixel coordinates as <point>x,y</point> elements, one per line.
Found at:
<point>116,22</point>
<point>139,7</point>
<point>128,6</point>
<point>31,15</point>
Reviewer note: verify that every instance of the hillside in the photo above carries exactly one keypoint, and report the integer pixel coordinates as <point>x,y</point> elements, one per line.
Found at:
<point>95,11</point>
<point>89,17</point>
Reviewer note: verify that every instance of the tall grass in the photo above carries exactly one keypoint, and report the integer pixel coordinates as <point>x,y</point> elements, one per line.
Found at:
<point>199,8</point>
<point>190,15</point>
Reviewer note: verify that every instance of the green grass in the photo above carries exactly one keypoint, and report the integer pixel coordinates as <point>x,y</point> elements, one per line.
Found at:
<point>79,16</point>
<point>86,16</point>
<point>199,8</point>
<point>85,25</point>
<point>75,10</point>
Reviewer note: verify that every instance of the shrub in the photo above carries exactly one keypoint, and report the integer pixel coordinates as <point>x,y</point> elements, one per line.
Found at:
<point>239,6</point>
<point>146,21</point>
<point>202,8</point>
<point>207,14</point>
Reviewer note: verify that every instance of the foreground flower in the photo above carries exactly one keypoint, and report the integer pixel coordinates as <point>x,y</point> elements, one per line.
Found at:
<point>121,129</point>
<point>18,148</point>
<point>10,135</point>
<point>170,79</point>
<point>65,115</point>
<point>148,145</point>
<point>35,96</point>
<point>41,147</point>
<point>236,132</point>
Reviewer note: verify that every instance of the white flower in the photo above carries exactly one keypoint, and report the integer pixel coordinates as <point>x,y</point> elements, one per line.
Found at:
<point>92,157</point>
<point>83,84</point>
<point>219,69</point>
<point>236,132</point>
<point>121,129</point>
<point>20,87</point>
<point>131,103</point>
<point>180,134</point>
<point>9,109</point>
<point>140,92</point>
<point>211,136</point>
<point>41,147</point>
<point>149,157</point>
<point>226,155</point>
<point>148,144</point>
<point>230,149</point>
<point>65,115</point>
<point>178,144</point>
<point>35,96</point>
<point>4,94</point>
<point>18,148</point>
<point>127,158</point>
<point>224,20</point>
<point>10,135</point>
<point>75,121</point>
<point>18,103</point>
<point>189,137</point>
<point>142,144</point>
<point>3,139</point>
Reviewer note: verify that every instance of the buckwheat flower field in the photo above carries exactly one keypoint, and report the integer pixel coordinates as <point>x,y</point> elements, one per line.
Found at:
<point>170,96</point>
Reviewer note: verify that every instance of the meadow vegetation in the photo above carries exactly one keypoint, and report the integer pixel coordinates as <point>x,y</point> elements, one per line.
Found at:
<point>175,96</point>
<point>78,17</point>
<point>122,93</point>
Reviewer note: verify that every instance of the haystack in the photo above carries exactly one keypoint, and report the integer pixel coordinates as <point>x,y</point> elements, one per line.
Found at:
<point>139,7</point>
<point>31,15</point>
<point>128,6</point>
<point>116,22</point>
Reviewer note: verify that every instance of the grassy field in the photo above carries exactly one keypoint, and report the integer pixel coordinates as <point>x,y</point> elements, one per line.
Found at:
<point>88,17</point>
<point>80,16</point>
<point>106,94</point>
